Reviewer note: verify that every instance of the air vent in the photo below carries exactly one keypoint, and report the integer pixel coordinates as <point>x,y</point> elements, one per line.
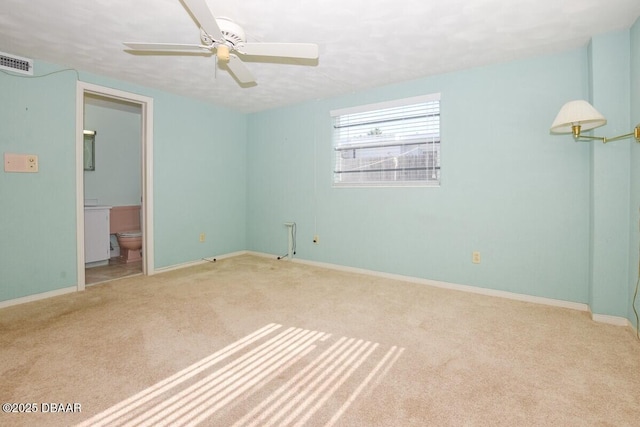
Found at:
<point>17,64</point>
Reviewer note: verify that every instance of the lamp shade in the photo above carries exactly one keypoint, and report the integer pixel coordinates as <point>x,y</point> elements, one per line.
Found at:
<point>577,113</point>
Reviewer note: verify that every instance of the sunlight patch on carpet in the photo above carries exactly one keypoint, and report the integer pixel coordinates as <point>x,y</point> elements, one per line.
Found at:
<point>273,376</point>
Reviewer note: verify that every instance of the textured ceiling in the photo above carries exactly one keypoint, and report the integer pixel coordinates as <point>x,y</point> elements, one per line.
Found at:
<point>363,43</point>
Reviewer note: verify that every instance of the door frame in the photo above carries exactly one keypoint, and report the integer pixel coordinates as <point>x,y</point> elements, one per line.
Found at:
<point>146,104</point>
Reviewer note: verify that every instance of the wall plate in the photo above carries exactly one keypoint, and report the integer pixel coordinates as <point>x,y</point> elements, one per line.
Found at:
<point>20,163</point>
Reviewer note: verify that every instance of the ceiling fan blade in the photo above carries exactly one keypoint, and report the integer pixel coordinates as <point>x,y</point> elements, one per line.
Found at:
<point>168,47</point>
<point>200,10</point>
<point>287,50</point>
<point>237,67</point>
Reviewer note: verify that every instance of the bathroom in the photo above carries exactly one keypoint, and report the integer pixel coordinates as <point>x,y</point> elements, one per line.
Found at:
<point>112,184</point>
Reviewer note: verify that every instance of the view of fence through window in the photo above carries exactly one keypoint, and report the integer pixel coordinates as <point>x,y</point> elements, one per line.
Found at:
<point>395,143</point>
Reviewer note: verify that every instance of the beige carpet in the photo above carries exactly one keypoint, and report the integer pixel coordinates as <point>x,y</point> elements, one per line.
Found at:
<point>253,341</point>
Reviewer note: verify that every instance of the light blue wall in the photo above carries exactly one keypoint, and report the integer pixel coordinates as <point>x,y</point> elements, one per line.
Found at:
<point>634,204</point>
<point>610,175</point>
<point>199,179</point>
<point>37,210</point>
<point>117,178</point>
<point>199,166</point>
<point>509,189</point>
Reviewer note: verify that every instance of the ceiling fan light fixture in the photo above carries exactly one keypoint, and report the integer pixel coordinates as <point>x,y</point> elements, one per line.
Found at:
<point>226,38</point>
<point>223,53</point>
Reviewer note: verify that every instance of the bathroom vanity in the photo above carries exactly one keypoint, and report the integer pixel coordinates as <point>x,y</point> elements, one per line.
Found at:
<point>97,245</point>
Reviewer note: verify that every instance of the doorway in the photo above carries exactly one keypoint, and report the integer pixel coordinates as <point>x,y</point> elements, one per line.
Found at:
<point>145,105</point>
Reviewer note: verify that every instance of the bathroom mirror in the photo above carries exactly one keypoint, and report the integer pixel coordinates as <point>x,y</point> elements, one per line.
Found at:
<point>89,150</point>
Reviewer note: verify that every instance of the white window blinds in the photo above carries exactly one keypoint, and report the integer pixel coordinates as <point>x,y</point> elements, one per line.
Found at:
<point>388,144</point>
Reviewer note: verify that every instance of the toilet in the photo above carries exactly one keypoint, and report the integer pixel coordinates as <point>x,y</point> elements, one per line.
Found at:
<point>125,224</point>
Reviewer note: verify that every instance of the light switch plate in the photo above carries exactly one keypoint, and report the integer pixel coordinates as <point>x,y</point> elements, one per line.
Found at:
<point>20,163</point>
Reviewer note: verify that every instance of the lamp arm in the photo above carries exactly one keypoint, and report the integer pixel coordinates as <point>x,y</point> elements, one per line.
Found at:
<point>599,138</point>
<point>615,138</point>
<point>636,134</point>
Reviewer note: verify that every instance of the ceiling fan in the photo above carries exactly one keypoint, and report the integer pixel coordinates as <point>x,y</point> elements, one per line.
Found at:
<point>227,38</point>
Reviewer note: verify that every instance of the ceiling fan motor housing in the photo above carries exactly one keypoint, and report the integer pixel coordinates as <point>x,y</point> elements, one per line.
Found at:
<point>232,32</point>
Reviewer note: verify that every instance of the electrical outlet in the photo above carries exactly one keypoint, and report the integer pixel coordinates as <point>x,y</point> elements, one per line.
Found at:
<point>32,163</point>
<point>475,257</point>
<point>316,239</point>
<point>203,237</point>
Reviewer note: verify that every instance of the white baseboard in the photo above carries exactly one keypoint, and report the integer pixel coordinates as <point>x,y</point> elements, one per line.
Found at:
<point>198,262</point>
<point>44,295</point>
<point>36,297</point>
<point>611,320</point>
<point>266,255</point>
<point>446,285</point>
<point>602,318</point>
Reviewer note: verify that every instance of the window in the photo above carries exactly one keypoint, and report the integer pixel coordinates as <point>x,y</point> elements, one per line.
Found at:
<point>393,143</point>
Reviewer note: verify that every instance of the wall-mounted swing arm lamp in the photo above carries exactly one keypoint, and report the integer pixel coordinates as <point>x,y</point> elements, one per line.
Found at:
<point>577,116</point>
